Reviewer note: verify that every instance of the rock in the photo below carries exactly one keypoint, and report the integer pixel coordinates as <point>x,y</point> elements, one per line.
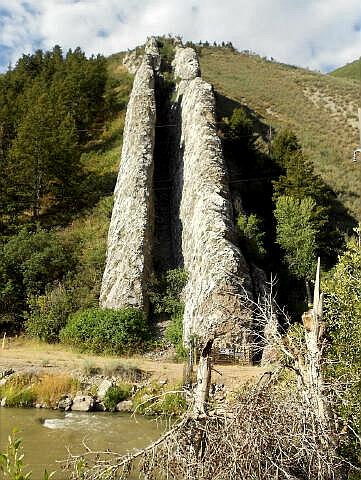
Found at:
<point>103,388</point>
<point>186,64</point>
<point>6,373</point>
<point>82,403</point>
<point>125,406</point>
<point>129,250</point>
<point>217,270</point>
<point>38,405</point>
<point>132,62</point>
<point>3,402</point>
<point>99,407</point>
<point>203,233</point>
<point>65,403</point>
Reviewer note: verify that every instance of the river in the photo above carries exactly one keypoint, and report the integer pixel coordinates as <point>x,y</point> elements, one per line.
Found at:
<point>46,434</point>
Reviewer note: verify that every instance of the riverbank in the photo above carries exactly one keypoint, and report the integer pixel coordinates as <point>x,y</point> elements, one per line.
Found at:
<point>50,376</point>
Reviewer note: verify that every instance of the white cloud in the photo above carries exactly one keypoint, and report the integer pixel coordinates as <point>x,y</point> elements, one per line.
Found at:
<point>316,33</point>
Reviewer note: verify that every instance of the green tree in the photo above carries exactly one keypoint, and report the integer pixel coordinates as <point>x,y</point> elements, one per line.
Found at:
<point>297,234</point>
<point>251,236</point>
<point>299,181</point>
<point>45,157</point>
<point>28,263</point>
<point>342,306</point>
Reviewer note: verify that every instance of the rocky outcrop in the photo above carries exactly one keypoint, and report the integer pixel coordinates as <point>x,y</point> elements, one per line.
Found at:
<point>186,64</point>
<point>130,237</point>
<point>201,237</point>
<point>217,269</point>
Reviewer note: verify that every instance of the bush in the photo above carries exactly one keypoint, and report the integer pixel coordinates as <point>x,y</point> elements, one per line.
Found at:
<point>166,298</point>
<point>116,394</point>
<point>174,333</point>
<point>106,331</point>
<point>29,262</point>
<point>18,391</point>
<point>252,236</point>
<point>48,314</point>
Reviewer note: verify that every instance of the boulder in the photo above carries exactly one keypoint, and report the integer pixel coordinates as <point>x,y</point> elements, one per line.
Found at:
<point>99,407</point>
<point>65,403</point>
<point>3,402</point>
<point>103,388</point>
<point>125,406</point>
<point>82,403</point>
<point>6,372</point>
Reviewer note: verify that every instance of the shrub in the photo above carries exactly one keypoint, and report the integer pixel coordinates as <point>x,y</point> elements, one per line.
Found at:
<point>28,263</point>
<point>116,394</point>
<point>174,333</point>
<point>107,331</point>
<point>252,236</point>
<point>166,298</point>
<point>48,313</point>
<point>173,403</point>
<point>19,391</point>
<point>166,291</point>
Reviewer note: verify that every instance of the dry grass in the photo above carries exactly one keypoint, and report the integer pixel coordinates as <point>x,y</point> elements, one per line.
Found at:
<point>22,354</point>
<point>50,388</point>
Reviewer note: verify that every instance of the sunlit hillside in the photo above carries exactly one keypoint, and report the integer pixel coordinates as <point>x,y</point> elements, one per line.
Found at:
<point>321,109</point>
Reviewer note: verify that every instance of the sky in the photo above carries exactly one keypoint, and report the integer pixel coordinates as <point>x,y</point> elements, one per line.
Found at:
<point>317,34</point>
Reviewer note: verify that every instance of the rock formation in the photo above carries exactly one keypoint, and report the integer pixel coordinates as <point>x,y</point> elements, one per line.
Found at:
<point>217,269</point>
<point>199,197</point>
<point>130,237</point>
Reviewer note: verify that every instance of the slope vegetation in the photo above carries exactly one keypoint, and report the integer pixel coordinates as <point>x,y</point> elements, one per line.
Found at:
<point>350,70</point>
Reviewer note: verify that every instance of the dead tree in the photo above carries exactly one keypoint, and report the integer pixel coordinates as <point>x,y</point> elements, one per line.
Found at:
<point>272,430</point>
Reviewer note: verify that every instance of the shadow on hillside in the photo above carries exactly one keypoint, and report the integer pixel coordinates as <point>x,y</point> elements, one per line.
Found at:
<point>340,217</point>
<point>91,189</point>
<point>225,107</point>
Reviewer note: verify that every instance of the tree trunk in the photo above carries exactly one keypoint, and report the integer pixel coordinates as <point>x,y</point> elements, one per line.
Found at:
<point>203,381</point>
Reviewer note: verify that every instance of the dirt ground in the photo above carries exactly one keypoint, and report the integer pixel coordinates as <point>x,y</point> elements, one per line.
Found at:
<point>23,354</point>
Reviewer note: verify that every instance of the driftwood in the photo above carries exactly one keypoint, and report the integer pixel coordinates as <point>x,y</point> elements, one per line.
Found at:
<point>277,429</point>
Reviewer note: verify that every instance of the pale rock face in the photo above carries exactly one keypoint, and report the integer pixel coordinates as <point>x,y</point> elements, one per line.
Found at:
<point>82,403</point>
<point>129,253</point>
<point>203,226</point>
<point>186,64</point>
<point>217,269</point>
<point>151,48</point>
<point>103,388</point>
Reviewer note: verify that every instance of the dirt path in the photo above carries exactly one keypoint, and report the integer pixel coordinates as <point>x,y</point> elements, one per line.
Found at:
<point>21,354</point>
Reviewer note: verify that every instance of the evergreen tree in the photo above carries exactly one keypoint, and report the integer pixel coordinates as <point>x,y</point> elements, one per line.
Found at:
<point>297,233</point>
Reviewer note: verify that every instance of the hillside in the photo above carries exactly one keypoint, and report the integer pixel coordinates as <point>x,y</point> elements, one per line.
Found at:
<point>322,110</point>
<point>351,70</point>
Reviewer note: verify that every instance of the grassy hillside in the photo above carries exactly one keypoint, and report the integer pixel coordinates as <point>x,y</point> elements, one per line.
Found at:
<point>350,70</point>
<point>322,110</point>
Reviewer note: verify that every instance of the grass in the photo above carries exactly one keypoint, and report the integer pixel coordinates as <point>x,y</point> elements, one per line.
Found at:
<point>23,353</point>
<point>50,388</point>
<point>25,390</point>
<point>284,96</point>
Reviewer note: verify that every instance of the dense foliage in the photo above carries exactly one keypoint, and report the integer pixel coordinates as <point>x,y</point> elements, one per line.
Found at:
<point>343,317</point>
<point>166,299</point>
<point>29,262</point>
<point>106,331</point>
<point>50,105</point>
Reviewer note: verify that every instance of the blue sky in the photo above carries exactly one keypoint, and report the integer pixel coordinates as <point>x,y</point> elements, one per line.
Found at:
<point>319,34</point>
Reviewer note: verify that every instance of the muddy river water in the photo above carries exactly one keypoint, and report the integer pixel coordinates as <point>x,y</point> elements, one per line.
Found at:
<point>47,434</point>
